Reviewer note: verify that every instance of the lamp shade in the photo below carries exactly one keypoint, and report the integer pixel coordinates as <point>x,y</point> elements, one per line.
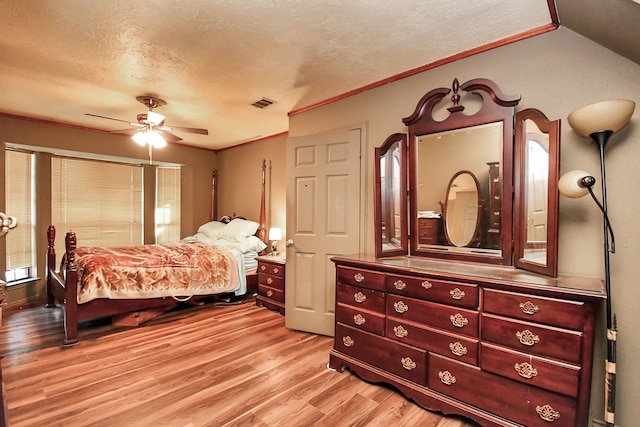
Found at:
<point>275,233</point>
<point>572,185</point>
<point>602,116</point>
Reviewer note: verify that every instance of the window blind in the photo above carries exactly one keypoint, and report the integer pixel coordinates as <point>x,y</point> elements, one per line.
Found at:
<point>167,204</point>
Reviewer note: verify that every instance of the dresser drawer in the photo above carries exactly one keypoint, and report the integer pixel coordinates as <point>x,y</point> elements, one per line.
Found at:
<point>402,360</point>
<point>536,371</point>
<point>361,297</point>
<point>454,346</point>
<point>453,319</point>
<point>506,398</point>
<point>452,293</point>
<point>272,293</point>
<point>362,319</point>
<point>532,338</point>
<point>556,312</point>
<point>272,269</point>
<point>271,281</point>
<point>361,277</point>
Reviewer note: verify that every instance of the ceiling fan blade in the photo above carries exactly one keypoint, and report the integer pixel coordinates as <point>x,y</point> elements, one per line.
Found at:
<point>187,130</point>
<point>105,117</point>
<point>128,131</point>
<point>168,136</point>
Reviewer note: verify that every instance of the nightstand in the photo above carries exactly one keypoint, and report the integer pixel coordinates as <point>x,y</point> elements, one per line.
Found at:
<point>271,282</point>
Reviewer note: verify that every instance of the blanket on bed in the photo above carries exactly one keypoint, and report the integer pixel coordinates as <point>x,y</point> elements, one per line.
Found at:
<point>152,271</point>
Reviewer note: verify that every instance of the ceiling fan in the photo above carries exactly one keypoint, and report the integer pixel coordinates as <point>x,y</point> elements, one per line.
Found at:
<point>152,123</point>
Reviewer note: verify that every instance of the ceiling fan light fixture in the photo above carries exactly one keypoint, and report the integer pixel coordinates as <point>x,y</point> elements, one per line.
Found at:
<point>155,118</point>
<point>151,137</point>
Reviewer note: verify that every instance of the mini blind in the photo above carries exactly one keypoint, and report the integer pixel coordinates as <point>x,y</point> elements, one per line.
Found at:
<point>101,201</point>
<point>18,194</point>
<point>167,204</point>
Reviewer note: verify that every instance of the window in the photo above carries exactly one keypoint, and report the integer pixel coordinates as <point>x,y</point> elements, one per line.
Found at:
<point>19,203</point>
<point>101,201</point>
<point>167,204</point>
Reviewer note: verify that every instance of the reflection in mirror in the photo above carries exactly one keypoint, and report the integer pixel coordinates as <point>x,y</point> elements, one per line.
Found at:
<point>476,151</point>
<point>537,151</point>
<point>462,210</point>
<point>391,202</point>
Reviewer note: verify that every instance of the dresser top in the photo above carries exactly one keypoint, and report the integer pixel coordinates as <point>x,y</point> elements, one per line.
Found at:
<point>486,275</point>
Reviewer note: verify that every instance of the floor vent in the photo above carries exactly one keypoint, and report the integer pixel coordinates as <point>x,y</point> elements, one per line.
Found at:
<point>263,103</point>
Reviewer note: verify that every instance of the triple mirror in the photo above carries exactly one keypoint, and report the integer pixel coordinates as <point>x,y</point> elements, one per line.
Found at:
<point>476,193</point>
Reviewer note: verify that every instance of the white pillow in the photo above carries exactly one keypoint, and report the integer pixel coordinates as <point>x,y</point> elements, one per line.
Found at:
<point>250,244</point>
<point>239,229</point>
<point>212,229</point>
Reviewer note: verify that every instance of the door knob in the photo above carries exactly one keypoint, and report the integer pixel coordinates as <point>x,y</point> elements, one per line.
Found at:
<point>289,243</point>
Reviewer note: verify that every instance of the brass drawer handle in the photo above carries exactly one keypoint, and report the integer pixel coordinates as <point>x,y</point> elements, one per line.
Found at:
<point>446,377</point>
<point>275,270</point>
<point>527,337</point>
<point>529,308</point>
<point>269,293</point>
<point>263,267</point>
<point>457,294</point>
<point>358,278</point>
<point>400,331</point>
<point>408,364</point>
<point>458,320</point>
<point>358,319</point>
<point>348,341</point>
<point>525,370</point>
<point>360,297</point>
<point>457,348</point>
<point>400,307</point>
<point>399,285</point>
<point>269,280</point>
<point>547,413</point>
<point>427,284</point>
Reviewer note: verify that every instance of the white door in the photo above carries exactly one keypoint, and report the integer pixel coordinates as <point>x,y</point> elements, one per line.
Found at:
<point>323,214</point>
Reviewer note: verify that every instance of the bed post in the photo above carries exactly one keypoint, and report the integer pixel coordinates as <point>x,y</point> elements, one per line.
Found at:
<point>262,231</point>
<point>51,263</point>
<point>212,212</point>
<point>71,292</point>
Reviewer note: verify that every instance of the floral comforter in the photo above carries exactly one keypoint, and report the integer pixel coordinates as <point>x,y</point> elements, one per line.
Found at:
<point>152,271</point>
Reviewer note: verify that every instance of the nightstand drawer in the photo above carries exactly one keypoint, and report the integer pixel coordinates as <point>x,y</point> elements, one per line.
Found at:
<point>271,281</point>
<point>272,269</point>
<point>271,293</point>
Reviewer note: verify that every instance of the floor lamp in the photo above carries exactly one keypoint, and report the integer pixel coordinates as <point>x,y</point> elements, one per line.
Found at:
<point>598,122</point>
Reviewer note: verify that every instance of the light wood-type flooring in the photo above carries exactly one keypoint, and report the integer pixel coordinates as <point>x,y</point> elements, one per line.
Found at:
<point>210,365</point>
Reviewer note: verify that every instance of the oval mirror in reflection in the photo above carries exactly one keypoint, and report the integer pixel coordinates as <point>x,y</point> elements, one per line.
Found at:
<point>462,210</point>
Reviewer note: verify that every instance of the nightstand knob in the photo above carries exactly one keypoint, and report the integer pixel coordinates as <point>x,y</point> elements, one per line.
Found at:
<point>359,320</point>
<point>263,267</point>
<point>275,270</point>
<point>269,280</point>
<point>269,293</point>
<point>360,297</point>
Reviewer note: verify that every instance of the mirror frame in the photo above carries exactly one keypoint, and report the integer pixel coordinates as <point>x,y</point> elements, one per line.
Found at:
<point>552,129</point>
<point>496,107</point>
<point>401,140</point>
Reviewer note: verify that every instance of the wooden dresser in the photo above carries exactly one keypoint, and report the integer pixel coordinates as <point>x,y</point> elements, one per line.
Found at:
<point>271,276</point>
<point>498,345</point>
<point>430,231</point>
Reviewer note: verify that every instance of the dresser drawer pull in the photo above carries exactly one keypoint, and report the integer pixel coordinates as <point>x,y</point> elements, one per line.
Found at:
<point>427,284</point>
<point>457,294</point>
<point>348,341</point>
<point>400,332</point>
<point>359,297</point>
<point>269,293</point>
<point>529,308</point>
<point>457,348</point>
<point>547,413</point>
<point>399,285</point>
<point>446,377</point>
<point>358,278</point>
<point>525,370</point>
<point>276,270</point>
<point>527,337</point>
<point>358,319</point>
<point>263,267</point>
<point>458,320</point>
<point>408,364</point>
<point>400,307</point>
<point>269,280</point>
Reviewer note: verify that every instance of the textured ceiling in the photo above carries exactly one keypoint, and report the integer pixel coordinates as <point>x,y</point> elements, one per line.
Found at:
<point>210,59</point>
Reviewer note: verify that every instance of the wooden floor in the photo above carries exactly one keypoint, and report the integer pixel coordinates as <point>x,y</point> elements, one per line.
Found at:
<point>213,365</point>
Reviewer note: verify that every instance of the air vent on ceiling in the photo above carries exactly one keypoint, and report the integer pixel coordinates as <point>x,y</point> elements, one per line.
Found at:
<point>263,103</point>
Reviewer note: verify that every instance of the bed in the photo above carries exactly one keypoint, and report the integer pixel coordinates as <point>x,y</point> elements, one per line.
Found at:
<point>92,282</point>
